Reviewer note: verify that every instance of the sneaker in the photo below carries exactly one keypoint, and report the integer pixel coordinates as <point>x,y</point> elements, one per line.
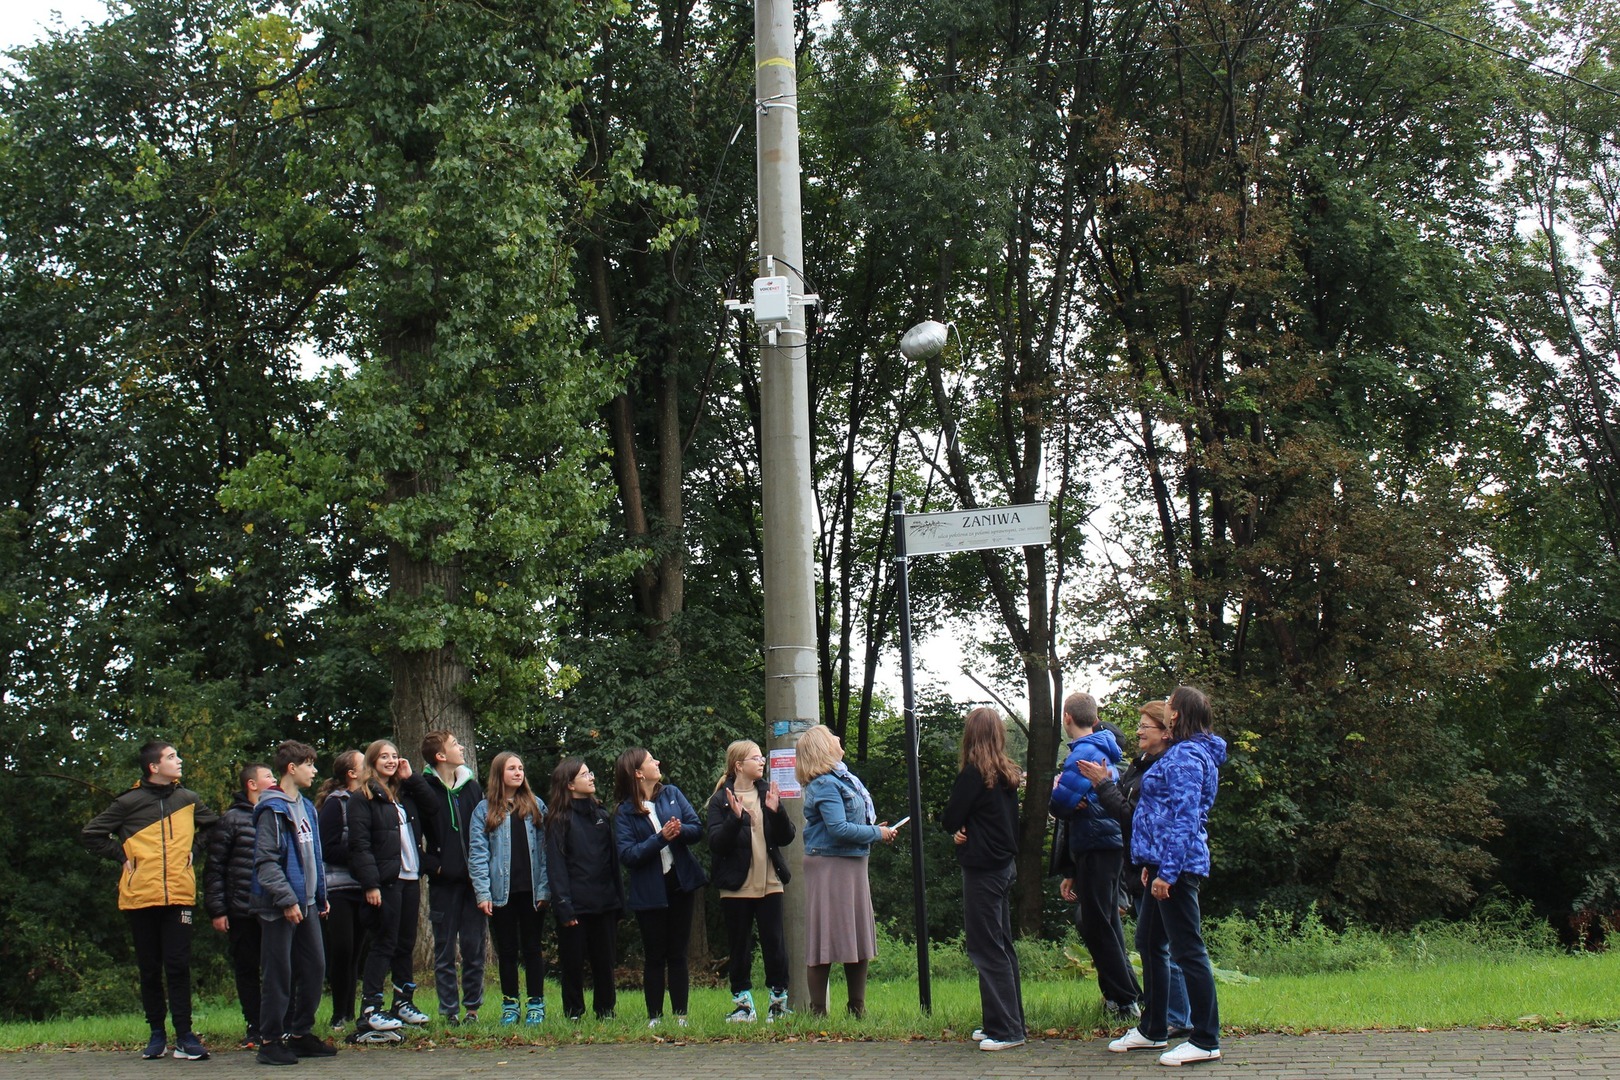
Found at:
<point>778,1008</point>
<point>188,1047</point>
<point>368,1037</point>
<point>471,1017</point>
<point>535,1012</point>
<point>450,1020</point>
<point>157,1046</point>
<point>999,1044</point>
<point>377,1020</point>
<point>1128,1011</point>
<point>276,1052</point>
<point>509,1011</point>
<point>1187,1054</point>
<point>310,1046</point>
<point>655,1022</point>
<point>742,1008</point>
<point>978,1035</point>
<point>680,1019</point>
<point>407,1011</point>
<point>1135,1040</point>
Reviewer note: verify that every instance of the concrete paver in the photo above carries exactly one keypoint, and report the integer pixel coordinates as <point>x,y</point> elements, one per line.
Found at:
<point>1503,1055</point>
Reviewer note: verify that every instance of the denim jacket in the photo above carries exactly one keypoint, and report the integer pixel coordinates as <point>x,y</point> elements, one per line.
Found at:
<point>835,818</point>
<point>489,859</point>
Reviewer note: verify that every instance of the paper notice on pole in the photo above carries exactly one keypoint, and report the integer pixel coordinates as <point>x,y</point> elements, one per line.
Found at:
<point>783,772</point>
<point>969,530</point>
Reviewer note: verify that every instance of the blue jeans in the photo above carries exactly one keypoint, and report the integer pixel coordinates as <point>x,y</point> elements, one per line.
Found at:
<point>1176,1006</point>
<point>1173,923</point>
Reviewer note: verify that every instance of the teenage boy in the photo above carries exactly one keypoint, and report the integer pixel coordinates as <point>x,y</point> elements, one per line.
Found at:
<point>228,889</point>
<point>155,830</point>
<point>289,898</point>
<point>1096,846</point>
<point>452,908</point>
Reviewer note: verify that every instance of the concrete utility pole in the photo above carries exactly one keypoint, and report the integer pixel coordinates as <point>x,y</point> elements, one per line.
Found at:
<point>791,682</point>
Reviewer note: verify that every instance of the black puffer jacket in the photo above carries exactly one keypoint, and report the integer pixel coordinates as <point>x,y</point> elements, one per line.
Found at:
<point>374,836</point>
<point>228,878</point>
<point>1120,799</point>
<point>582,861</point>
<point>731,844</point>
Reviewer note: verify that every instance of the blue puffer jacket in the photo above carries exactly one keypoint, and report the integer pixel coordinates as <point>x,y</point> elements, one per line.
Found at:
<point>489,857</point>
<point>1091,828</point>
<point>641,848</point>
<point>835,818</point>
<point>1170,829</point>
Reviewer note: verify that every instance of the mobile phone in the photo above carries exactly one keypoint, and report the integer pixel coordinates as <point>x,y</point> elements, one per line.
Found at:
<point>901,822</point>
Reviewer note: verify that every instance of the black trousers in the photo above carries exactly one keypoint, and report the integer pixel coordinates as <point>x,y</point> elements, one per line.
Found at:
<point>593,937</point>
<point>403,965</point>
<point>742,916</point>
<point>163,951</point>
<point>294,960</point>
<point>345,937</point>
<point>516,927</point>
<point>987,926</point>
<point>246,943</point>
<point>1096,916</point>
<point>666,935</point>
<point>382,924</point>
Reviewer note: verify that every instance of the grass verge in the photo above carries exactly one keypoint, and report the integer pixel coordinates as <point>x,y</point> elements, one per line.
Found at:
<point>1540,991</point>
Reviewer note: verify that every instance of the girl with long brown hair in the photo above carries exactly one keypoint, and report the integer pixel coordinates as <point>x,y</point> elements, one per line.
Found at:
<point>507,861</point>
<point>982,816</point>
<point>586,893</point>
<point>386,858</point>
<point>655,828</point>
<point>344,919</point>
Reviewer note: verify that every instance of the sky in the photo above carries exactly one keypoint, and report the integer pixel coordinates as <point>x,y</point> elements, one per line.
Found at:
<point>24,21</point>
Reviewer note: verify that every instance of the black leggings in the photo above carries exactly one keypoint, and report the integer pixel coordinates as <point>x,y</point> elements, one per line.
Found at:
<point>344,937</point>
<point>383,923</point>
<point>742,915</point>
<point>666,933</point>
<point>595,936</point>
<point>516,927</point>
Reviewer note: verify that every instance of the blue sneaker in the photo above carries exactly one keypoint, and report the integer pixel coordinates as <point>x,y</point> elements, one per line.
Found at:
<point>188,1047</point>
<point>157,1046</point>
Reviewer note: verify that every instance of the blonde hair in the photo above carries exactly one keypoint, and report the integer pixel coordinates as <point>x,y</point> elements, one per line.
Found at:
<point>818,753</point>
<point>738,752</point>
<point>1156,711</point>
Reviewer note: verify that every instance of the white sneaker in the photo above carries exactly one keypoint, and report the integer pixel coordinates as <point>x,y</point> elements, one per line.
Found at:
<point>1135,1040</point>
<point>1187,1054</point>
<point>999,1044</point>
<point>978,1035</point>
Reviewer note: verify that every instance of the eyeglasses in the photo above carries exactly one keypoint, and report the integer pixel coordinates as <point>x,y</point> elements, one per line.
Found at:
<point>755,757</point>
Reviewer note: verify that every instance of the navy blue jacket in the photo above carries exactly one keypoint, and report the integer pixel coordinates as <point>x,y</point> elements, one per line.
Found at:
<point>641,846</point>
<point>1091,828</point>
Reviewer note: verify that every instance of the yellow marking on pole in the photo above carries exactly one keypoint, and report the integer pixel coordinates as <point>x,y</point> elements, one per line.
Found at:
<point>775,61</point>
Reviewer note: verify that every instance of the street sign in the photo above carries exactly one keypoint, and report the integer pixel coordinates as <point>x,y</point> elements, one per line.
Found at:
<point>971,530</point>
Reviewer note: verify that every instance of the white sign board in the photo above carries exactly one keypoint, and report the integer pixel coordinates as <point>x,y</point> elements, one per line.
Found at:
<point>971,530</point>
<point>785,772</point>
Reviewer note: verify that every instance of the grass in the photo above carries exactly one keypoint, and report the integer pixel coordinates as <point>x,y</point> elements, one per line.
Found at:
<point>1543,989</point>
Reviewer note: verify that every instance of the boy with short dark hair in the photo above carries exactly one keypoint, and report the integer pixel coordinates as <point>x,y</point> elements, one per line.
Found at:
<point>228,888</point>
<point>155,830</point>
<point>458,922</point>
<point>289,898</point>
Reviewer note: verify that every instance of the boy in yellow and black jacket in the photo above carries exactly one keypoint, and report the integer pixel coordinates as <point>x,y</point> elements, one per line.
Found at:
<point>156,831</point>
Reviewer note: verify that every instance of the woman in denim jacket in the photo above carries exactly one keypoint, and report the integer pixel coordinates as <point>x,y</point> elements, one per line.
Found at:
<point>840,826</point>
<point>509,879</point>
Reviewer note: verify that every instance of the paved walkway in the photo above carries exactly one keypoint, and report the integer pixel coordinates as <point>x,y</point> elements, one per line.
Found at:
<point>1509,1055</point>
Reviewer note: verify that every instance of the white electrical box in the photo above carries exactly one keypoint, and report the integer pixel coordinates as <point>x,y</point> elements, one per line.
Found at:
<point>771,301</point>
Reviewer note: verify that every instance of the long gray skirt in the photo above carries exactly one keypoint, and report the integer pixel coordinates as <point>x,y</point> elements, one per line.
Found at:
<point>839,928</point>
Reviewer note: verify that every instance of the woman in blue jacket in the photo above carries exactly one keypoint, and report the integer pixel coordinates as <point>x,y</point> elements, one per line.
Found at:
<point>507,862</point>
<point>840,826</point>
<point>655,828</point>
<point>1170,841</point>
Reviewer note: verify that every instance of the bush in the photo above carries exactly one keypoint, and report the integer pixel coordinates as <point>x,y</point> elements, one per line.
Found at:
<point>1277,943</point>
